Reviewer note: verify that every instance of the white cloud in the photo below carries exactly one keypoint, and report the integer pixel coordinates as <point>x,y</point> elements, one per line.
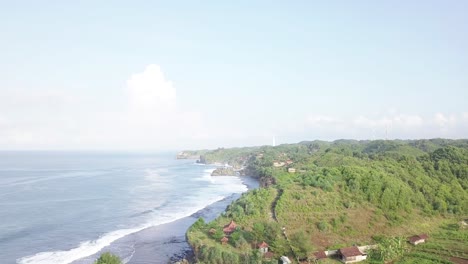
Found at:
<point>151,91</point>
<point>391,125</point>
<point>146,114</point>
<point>150,118</point>
<point>444,121</point>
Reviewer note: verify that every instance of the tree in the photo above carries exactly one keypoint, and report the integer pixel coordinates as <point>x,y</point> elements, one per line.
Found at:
<point>301,244</point>
<point>108,258</point>
<point>258,230</point>
<point>389,249</point>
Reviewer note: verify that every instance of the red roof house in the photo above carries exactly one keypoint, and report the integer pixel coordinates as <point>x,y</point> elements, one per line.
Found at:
<point>320,255</point>
<point>224,240</point>
<point>263,247</point>
<point>229,228</point>
<point>268,255</point>
<point>418,239</point>
<point>352,254</point>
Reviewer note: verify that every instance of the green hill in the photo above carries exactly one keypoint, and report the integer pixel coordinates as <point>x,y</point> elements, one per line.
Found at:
<point>342,193</point>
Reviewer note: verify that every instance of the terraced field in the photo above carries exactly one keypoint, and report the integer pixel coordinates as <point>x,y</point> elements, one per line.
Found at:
<point>449,245</point>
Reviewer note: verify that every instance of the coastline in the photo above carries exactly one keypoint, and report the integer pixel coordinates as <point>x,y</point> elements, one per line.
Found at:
<point>167,243</point>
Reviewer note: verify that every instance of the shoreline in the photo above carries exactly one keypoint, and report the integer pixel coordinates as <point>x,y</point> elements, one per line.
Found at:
<point>167,243</point>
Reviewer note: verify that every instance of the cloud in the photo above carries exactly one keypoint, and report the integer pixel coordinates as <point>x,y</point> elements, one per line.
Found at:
<point>390,125</point>
<point>149,118</point>
<point>146,114</point>
<point>151,91</point>
<point>444,121</point>
<point>153,118</point>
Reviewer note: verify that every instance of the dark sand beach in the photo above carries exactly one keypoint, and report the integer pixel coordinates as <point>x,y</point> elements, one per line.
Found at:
<point>167,243</point>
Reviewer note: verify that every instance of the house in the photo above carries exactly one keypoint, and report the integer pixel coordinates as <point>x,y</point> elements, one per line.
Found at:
<point>278,164</point>
<point>268,255</point>
<point>224,240</point>
<point>351,254</point>
<point>230,228</point>
<point>289,162</point>
<point>263,247</point>
<point>463,223</point>
<point>320,255</point>
<point>418,239</point>
<point>285,260</point>
<point>292,170</point>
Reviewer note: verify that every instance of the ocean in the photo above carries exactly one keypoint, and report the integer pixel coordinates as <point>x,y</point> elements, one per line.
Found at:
<point>69,207</point>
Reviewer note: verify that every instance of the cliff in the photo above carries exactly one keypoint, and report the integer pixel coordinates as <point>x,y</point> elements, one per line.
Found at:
<point>187,155</point>
<point>224,172</point>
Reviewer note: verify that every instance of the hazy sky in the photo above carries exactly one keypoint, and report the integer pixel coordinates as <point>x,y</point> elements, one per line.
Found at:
<point>189,74</point>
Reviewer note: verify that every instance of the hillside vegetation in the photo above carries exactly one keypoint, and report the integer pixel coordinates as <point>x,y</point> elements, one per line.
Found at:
<point>340,194</point>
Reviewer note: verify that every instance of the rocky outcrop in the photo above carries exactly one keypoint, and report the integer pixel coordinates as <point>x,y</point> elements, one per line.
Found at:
<point>225,171</point>
<point>267,181</point>
<point>186,155</point>
<point>202,160</point>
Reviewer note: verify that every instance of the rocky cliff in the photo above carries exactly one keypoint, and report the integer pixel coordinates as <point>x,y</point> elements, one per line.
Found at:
<point>224,172</point>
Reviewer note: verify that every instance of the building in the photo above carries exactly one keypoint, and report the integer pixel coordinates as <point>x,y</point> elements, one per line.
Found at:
<point>268,255</point>
<point>418,239</point>
<point>230,228</point>
<point>263,247</point>
<point>285,260</point>
<point>351,255</point>
<point>292,170</point>
<point>278,164</point>
<point>224,240</point>
<point>320,255</point>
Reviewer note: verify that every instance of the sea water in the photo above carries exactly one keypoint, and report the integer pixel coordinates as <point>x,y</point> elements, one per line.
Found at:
<point>67,207</point>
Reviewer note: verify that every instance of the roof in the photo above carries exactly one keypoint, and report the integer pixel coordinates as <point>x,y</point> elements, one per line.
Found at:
<point>231,224</point>
<point>423,236</point>
<point>230,227</point>
<point>418,237</point>
<point>320,255</point>
<point>263,245</point>
<point>224,239</point>
<point>350,252</point>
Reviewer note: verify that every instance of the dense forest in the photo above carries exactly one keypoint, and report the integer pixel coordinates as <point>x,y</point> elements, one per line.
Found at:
<point>320,195</point>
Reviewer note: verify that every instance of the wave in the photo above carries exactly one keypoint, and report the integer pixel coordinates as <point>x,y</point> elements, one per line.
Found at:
<point>206,176</point>
<point>217,188</point>
<point>92,247</point>
<point>66,175</point>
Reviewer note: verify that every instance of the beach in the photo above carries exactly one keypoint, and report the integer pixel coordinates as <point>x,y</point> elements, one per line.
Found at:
<point>167,243</point>
<point>70,207</point>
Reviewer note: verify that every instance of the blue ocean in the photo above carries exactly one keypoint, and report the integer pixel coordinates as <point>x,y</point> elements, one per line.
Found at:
<point>68,207</point>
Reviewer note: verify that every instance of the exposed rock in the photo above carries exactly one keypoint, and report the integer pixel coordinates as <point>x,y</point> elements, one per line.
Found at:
<point>224,172</point>
<point>265,182</point>
<point>202,160</point>
<point>186,155</point>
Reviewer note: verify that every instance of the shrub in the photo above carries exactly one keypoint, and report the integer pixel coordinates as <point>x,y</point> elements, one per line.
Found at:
<point>108,258</point>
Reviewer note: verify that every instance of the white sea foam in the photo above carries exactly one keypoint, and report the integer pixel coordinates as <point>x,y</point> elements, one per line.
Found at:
<point>89,248</point>
<point>206,176</point>
<point>219,188</point>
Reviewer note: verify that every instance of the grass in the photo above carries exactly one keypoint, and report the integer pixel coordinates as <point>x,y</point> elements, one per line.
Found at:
<point>448,241</point>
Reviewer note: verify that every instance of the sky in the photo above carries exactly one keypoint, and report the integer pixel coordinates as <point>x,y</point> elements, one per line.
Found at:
<point>167,75</point>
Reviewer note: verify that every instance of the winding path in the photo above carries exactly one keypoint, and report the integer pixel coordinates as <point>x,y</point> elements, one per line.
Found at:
<point>274,217</point>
